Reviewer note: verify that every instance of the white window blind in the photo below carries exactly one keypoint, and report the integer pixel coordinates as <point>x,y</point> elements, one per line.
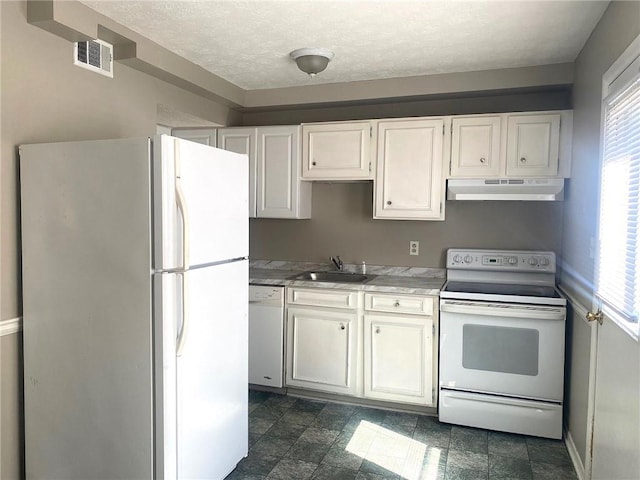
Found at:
<point>618,278</point>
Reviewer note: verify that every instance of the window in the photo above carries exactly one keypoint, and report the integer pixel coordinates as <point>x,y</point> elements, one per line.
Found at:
<point>618,265</point>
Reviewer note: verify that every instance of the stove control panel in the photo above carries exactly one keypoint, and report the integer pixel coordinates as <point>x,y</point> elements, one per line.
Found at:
<point>506,260</point>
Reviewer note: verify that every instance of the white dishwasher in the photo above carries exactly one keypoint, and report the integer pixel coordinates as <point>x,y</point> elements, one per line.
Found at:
<point>266,335</point>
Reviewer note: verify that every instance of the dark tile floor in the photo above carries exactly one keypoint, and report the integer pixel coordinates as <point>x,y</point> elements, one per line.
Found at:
<point>297,439</point>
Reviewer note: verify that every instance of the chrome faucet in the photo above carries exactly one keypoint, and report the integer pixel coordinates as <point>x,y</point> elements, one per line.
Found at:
<point>337,262</point>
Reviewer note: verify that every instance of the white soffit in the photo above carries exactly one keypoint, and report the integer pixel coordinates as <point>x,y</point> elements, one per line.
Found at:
<point>248,42</point>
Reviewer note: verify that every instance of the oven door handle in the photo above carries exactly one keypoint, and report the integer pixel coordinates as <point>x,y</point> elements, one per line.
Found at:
<point>494,310</point>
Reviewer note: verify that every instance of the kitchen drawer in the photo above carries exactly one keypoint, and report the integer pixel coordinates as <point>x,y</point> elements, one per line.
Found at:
<point>411,304</point>
<point>319,297</point>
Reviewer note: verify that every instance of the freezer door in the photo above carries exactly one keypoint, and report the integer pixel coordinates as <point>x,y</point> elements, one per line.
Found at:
<point>200,204</point>
<point>204,381</point>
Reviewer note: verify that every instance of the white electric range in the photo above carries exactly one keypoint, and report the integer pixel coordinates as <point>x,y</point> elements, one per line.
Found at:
<point>502,327</point>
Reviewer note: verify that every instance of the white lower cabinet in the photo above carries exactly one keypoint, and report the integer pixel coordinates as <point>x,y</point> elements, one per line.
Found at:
<point>400,348</point>
<point>321,349</point>
<point>398,360</point>
<point>323,339</point>
<point>334,336</point>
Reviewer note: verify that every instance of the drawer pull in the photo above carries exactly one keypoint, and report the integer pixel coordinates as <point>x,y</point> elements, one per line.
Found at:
<point>397,304</point>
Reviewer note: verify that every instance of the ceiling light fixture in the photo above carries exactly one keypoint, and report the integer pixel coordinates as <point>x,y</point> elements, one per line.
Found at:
<point>312,60</point>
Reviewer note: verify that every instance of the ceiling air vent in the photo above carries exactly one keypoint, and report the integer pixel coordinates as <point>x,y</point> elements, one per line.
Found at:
<point>94,55</point>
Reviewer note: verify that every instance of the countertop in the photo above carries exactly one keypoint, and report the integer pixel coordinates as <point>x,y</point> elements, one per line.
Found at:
<point>409,280</point>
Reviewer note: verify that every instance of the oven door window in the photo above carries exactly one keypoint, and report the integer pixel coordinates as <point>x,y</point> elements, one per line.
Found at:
<point>500,349</point>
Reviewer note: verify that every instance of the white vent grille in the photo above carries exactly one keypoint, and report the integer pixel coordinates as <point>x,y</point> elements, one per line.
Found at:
<point>94,55</point>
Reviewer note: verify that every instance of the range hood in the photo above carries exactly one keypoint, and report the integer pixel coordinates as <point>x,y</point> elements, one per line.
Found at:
<point>530,189</point>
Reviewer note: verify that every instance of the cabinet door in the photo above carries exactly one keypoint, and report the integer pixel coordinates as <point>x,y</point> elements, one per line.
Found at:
<point>409,184</point>
<point>475,147</point>
<point>321,349</point>
<point>278,159</point>
<point>206,136</point>
<point>337,151</point>
<point>398,359</point>
<point>242,140</point>
<point>532,145</point>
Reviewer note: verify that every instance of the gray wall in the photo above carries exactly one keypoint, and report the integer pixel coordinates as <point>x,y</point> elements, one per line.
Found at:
<point>45,98</point>
<point>342,224</point>
<point>617,28</point>
<point>11,431</point>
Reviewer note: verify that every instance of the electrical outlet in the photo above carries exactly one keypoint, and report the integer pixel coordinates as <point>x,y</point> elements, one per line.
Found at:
<point>414,247</point>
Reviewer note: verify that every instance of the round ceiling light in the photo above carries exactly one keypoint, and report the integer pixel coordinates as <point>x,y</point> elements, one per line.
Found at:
<point>312,60</point>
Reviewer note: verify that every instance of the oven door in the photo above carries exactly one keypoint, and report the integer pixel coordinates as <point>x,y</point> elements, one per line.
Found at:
<point>504,349</point>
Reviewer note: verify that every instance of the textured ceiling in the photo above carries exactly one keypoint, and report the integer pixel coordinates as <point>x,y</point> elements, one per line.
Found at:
<point>248,42</point>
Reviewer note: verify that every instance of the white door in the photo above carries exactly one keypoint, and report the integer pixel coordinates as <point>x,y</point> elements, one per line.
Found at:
<point>409,184</point>
<point>397,358</point>
<point>212,372</point>
<point>616,422</point>
<point>202,201</point>
<point>242,140</point>
<point>616,418</point>
<point>533,145</point>
<point>475,147</point>
<point>321,346</point>
<point>277,192</point>
<point>337,151</point>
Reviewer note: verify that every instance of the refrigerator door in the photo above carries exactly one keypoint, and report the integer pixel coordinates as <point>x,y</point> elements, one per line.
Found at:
<point>200,204</point>
<point>203,382</point>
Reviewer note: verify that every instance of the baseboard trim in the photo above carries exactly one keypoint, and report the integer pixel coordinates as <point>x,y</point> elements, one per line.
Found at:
<point>11,326</point>
<point>574,455</point>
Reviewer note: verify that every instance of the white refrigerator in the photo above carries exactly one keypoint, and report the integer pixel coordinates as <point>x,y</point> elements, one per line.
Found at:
<point>135,281</point>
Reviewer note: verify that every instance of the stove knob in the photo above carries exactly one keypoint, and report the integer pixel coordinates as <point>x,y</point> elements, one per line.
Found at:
<point>468,259</point>
<point>533,262</point>
<point>512,260</point>
<point>544,261</point>
<point>457,258</point>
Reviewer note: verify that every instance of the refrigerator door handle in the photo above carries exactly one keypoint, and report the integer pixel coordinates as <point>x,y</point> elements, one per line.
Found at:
<point>182,206</point>
<point>182,337</point>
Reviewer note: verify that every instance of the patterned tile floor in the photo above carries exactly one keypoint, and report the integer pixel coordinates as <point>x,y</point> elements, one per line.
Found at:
<point>297,439</point>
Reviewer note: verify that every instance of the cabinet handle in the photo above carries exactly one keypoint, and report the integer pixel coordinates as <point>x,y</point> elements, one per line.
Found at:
<point>377,329</point>
<point>388,202</point>
<point>342,327</point>
<point>313,163</point>
<point>397,304</point>
<point>483,160</point>
<point>523,160</point>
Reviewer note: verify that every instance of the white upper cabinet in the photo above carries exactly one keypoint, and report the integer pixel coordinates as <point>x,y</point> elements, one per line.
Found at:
<point>337,151</point>
<point>533,145</point>
<point>511,145</point>
<point>475,146</point>
<point>279,192</point>
<point>275,189</point>
<point>206,136</point>
<point>242,140</point>
<point>409,183</point>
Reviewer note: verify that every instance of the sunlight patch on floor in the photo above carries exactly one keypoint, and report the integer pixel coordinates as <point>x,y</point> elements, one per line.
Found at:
<point>394,452</point>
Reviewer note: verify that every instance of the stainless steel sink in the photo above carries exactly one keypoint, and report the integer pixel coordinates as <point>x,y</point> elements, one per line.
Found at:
<point>336,277</point>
